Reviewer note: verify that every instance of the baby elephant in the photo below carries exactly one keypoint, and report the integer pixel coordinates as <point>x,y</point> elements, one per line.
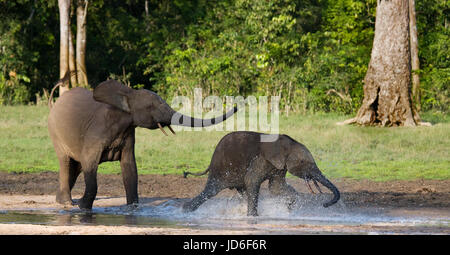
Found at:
<point>242,161</point>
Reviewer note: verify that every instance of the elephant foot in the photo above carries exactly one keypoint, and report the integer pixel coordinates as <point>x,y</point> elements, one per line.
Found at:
<point>85,204</point>
<point>85,208</point>
<point>291,204</point>
<point>252,212</point>
<point>132,206</point>
<point>188,207</point>
<point>64,199</point>
<point>133,201</point>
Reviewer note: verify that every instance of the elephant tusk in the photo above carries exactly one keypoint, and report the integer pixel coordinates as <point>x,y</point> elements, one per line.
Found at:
<point>317,186</point>
<point>160,127</point>
<point>171,130</point>
<point>307,183</point>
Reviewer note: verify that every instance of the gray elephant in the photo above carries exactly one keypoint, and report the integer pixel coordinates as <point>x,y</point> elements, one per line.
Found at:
<point>88,128</point>
<point>242,161</point>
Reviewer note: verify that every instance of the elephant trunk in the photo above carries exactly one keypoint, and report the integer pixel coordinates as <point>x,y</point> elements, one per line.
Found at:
<point>325,182</point>
<point>180,119</point>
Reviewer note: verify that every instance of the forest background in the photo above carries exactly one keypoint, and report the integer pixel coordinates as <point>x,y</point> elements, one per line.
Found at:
<point>313,53</point>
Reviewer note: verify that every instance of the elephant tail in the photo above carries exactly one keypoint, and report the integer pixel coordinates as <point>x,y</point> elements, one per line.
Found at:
<point>50,98</point>
<point>58,83</point>
<point>185,174</point>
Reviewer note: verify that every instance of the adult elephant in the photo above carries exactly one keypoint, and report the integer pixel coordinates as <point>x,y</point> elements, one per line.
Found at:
<point>88,128</point>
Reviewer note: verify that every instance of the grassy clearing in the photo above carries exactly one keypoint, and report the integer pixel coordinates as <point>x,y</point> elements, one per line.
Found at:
<point>340,151</point>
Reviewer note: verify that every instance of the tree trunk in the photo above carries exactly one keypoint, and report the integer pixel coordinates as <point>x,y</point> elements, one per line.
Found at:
<point>387,100</point>
<point>64,12</point>
<point>81,42</point>
<point>415,66</point>
<point>72,65</point>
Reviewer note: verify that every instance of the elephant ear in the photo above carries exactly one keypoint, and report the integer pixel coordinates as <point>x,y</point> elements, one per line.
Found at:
<point>113,93</point>
<point>275,152</point>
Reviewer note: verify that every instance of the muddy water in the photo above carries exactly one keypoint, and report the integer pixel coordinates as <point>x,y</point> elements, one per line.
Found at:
<point>306,217</point>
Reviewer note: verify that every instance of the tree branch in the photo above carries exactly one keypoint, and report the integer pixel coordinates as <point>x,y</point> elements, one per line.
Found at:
<point>346,98</point>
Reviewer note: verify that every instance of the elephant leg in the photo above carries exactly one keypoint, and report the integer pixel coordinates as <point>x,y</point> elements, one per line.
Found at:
<point>252,199</point>
<point>212,188</point>
<point>256,174</point>
<point>74,172</point>
<point>63,195</point>
<point>129,173</point>
<point>279,187</point>
<point>90,192</point>
<point>241,192</point>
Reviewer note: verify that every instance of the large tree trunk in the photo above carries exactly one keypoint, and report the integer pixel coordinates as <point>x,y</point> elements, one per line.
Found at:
<point>72,65</point>
<point>64,13</point>
<point>387,99</point>
<point>81,42</point>
<point>415,66</point>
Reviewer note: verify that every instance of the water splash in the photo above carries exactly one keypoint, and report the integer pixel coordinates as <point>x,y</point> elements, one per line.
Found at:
<point>308,208</point>
<point>230,212</point>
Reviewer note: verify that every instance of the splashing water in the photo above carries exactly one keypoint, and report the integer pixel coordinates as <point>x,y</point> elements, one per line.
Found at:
<point>231,212</point>
<point>306,216</point>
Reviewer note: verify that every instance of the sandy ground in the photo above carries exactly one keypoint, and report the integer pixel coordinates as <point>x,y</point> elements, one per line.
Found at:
<point>19,191</point>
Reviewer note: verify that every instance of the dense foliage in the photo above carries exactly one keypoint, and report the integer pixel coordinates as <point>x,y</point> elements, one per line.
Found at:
<point>314,53</point>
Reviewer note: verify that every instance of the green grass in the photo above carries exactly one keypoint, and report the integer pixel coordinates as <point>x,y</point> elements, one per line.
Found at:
<point>341,151</point>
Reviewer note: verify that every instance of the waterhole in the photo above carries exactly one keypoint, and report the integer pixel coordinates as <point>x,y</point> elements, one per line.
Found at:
<point>230,213</point>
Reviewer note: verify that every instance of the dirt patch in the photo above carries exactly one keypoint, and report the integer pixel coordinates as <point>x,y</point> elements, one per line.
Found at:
<point>413,194</point>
